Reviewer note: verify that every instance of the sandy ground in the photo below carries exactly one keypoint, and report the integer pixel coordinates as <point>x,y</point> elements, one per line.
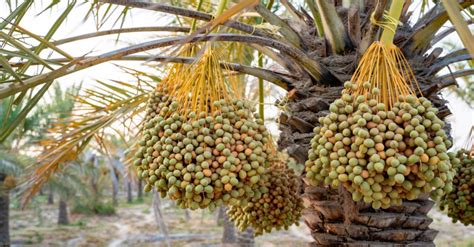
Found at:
<point>451,234</point>
<point>134,225</point>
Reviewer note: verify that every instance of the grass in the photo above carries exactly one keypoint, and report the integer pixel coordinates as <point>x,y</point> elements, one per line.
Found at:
<point>138,201</point>
<point>462,243</point>
<point>79,223</point>
<point>98,208</point>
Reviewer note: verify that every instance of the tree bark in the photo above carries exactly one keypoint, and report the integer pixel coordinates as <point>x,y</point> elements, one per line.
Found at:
<point>63,218</point>
<point>129,191</point>
<point>4,213</point>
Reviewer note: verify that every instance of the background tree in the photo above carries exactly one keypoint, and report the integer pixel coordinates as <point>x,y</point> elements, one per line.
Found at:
<point>69,186</point>
<point>10,167</point>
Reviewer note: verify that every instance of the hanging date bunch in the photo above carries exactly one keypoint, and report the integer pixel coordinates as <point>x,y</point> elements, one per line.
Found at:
<point>201,145</point>
<point>279,208</point>
<point>460,202</point>
<point>380,141</point>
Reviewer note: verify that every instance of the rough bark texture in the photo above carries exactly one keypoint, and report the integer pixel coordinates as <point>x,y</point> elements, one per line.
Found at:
<point>4,213</point>
<point>63,218</point>
<point>396,226</point>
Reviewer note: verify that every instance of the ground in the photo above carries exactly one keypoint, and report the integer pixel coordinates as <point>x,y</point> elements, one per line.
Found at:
<point>134,224</point>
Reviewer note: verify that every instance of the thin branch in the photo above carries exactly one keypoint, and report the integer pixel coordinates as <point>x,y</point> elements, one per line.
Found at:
<point>189,13</point>
<point>446,81</point>
<point>318,72</point>
<point>451,76</point>
<point>454,57</point>
<point>446,32</point>
<point>121,30</point>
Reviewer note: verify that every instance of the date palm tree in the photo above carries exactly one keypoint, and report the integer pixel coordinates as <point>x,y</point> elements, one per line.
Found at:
<point>70,186</point>
<point>307,50</point>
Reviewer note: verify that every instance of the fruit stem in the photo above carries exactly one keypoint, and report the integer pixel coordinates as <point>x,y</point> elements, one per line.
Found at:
<point>394,14</point>
<point>261,93</point>
<point>221,7</point>
<point>198,8</point>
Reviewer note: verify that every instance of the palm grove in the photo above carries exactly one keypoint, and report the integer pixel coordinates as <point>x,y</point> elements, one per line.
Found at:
<point>376,145</point>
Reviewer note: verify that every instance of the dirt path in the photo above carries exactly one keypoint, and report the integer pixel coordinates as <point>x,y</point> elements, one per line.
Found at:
<point>135,225</point>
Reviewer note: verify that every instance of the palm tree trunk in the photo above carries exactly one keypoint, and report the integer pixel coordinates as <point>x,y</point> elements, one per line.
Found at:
<point>229,237</point>
<point>160,220</point>
<point>63,218</point>
<point>50,195</point>
<point>357,224</point>
<point>115,185</point>
<point>220,216</point>
<point>232,237</point>
<point>4,213</point>
<point>246,238</point>
<point>331,214</point>
<point>187,215</point>
<point>140,190</point>
<point>114,194</point>
<point>129,191</point>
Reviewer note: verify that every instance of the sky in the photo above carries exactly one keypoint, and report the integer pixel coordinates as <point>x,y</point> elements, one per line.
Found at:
<point>461,120</point>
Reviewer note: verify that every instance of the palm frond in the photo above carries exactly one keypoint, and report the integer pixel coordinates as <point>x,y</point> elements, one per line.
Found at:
<point>96,112</point>
<point>428,25</point>
<point>333,27</point>
<point>462,28</point>
<point>30,54</point>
